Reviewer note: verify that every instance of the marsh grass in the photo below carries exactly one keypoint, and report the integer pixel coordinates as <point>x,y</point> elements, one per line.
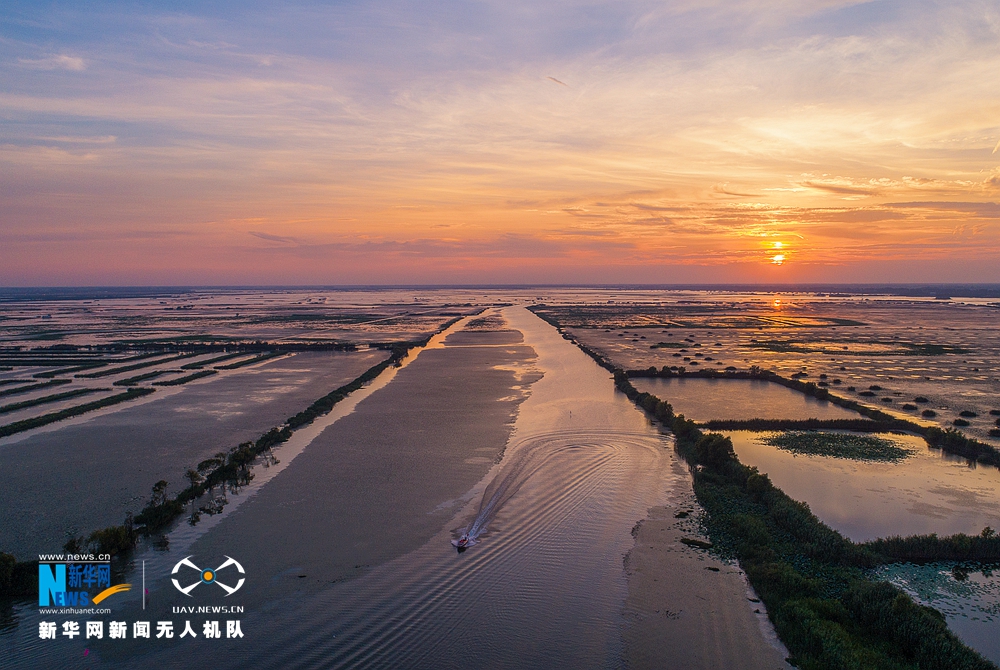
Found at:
<point>45,419</point>
<point>132,381</point>
<point>137,366</point>
<point>34,387</point>
<point>250,361</point>
<point>12,407</point>
<point>851,446</point>
<point>871,347</point>
<point>186,378</point>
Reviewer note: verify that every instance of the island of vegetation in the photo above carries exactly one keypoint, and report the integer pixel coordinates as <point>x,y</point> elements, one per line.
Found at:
<point>250,361</point>
<point>33,387</point>
<point>187,378</point>
<point>839,445</point>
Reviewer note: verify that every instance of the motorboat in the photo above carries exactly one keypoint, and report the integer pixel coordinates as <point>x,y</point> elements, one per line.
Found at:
<point>463,542</point>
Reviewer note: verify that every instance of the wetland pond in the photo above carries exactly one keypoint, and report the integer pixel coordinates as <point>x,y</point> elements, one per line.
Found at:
<point>922,492</point>
<point>702,399</point>
<point>926,492</point>
<point>968,597</point>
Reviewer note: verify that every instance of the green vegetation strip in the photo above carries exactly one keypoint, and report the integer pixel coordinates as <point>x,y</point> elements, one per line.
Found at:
<point>45,361</point>
<point>251,361</point>
<point>758,425</point>
<point>34,387</point>
<point>840,445</point>
<point>137,366</point>
<point>95,364</point>
<point>8,382</point>
<point>186,379</point>
<point>211,361</point>
<point>326,403</point>
<point>817,347</point>
<point>132,381</point>
<point>45,419</point>
<point>13,407</point>
<point>814,582</point>
<point>66,371</point>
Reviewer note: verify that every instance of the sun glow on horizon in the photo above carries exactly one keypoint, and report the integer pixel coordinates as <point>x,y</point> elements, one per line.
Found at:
<point>339,145</point>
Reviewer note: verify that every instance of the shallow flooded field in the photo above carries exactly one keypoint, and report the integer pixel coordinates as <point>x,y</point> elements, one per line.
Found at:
<point>905,357</point>
<point>968,597</point>
<point>705,399</point>
<point>107,461</point>
<point>151,316</point>
<point>927,492</point>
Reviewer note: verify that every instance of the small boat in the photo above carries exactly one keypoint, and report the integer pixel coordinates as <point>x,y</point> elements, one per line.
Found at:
<point>463,542</point>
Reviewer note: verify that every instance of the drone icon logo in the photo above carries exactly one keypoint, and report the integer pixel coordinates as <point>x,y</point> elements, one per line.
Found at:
<point>207,576</point>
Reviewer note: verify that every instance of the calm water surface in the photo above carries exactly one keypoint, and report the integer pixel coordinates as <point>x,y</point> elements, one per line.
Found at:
<point>929,492</point>
<point>705,399</point>
<point>971,605</point>
<point>545,581</point>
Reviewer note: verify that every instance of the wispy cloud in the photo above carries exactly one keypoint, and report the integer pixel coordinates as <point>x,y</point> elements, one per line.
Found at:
<point>273,238</point>
<point>691,131</point>
<point>54,62</point>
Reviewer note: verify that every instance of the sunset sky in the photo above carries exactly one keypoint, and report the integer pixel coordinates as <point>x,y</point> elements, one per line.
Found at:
<point>499,142</point>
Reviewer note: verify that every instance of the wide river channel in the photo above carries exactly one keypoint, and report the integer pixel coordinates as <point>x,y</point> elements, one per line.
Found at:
<point>545,580</point>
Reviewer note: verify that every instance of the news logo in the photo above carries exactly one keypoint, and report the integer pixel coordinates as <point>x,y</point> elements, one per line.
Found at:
<point>75,581</point>
<point>207,576</point>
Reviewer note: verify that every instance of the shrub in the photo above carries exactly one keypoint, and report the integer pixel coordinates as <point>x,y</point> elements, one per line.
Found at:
<point>114,540</point>
<point>758,485</point>
<point>715,450</point>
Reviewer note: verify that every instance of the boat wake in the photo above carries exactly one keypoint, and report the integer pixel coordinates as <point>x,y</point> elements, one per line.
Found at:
<point>529,457</point>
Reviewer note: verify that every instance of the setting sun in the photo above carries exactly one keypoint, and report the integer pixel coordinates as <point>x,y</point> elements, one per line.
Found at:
<point>778,259</point>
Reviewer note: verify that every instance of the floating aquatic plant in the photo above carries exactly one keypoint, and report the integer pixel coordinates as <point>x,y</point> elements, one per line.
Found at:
<point>839,445</point>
